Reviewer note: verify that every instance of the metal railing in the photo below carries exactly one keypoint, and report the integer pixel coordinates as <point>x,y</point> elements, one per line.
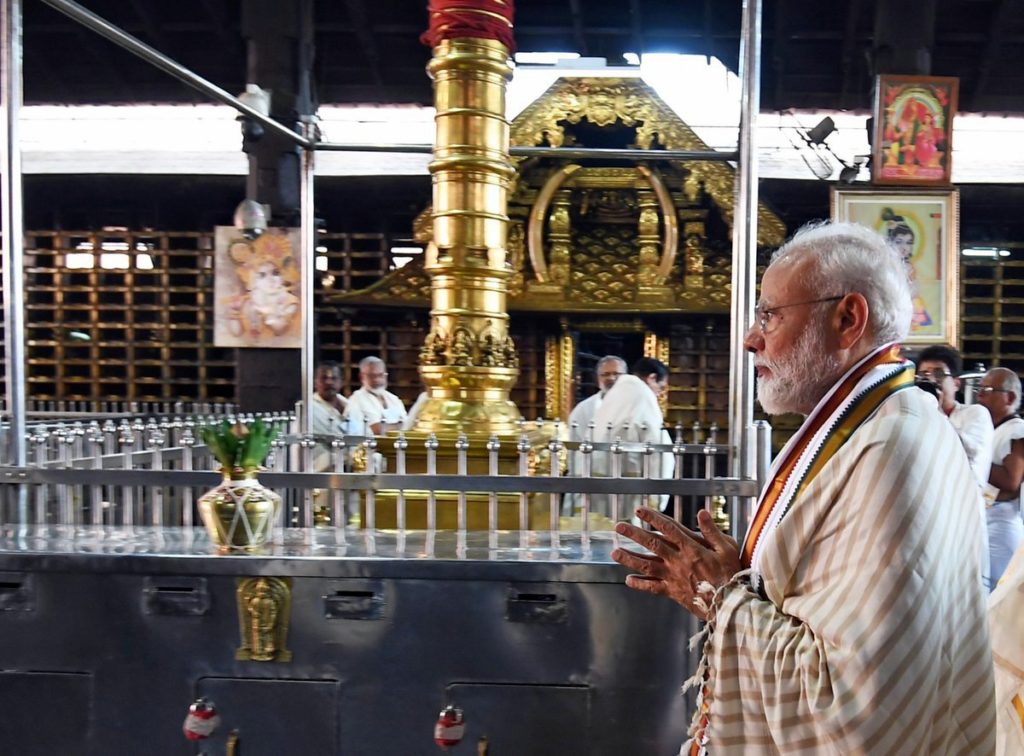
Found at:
<point>135,470</point>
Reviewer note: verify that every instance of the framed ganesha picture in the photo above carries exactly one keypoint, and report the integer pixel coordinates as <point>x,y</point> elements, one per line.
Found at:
<point>923,227</point>
<point>912,144</point>
<point>257,289</point>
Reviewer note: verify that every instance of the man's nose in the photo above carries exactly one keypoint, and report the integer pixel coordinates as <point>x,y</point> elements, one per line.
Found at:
<point>753,340</point>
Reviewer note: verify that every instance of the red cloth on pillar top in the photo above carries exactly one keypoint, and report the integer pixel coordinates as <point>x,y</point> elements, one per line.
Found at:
<point>474,19</point>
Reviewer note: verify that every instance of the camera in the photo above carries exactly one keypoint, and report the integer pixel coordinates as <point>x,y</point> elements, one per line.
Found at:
<point>925,385</point>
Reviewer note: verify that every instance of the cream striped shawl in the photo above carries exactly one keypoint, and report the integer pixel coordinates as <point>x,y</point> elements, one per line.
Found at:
<point>869,636</point>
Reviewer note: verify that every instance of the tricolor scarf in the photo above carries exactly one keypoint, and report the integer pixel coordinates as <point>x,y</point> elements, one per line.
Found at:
<point>833,421</point>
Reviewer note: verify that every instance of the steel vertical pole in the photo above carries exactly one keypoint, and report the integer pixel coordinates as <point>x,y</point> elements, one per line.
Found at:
<point>307,228</point>
<point>744,249</point>
<point>13,240</point>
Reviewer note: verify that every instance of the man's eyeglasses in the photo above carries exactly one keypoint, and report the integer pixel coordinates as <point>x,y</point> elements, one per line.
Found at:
<point>984,390</point>
<point>765,316</point>
<point>610,375</point>
<point>937,375</point>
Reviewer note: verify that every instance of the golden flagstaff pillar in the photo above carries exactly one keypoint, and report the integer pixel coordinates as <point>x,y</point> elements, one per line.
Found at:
<point>468,362</point>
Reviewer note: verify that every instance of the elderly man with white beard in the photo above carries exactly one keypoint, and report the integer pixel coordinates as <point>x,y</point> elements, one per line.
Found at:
<point>381,410</point>
<point>852,619</point>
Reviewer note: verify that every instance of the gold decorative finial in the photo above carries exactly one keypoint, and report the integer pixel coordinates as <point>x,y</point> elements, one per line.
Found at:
<point>718,513</point>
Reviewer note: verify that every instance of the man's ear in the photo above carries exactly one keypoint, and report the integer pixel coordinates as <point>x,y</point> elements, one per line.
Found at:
<point>851,319</point>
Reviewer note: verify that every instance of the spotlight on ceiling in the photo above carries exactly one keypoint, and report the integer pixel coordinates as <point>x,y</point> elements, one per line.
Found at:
<point>251,218</point>
<point>849,174</point>
<point>821,132</point>
<point>851,171</point>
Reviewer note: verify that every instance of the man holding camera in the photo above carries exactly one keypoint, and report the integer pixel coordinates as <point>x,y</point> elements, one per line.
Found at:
<point>942,365</point>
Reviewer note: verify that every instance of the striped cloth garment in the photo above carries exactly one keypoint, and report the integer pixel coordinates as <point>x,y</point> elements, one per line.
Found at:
<point>866,631</point>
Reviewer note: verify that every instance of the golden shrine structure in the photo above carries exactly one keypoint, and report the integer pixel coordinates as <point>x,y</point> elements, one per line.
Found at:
<point>570,246</point>
<point>639,250</point>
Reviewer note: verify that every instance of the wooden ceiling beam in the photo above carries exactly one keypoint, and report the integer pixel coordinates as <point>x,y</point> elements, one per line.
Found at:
<point>846,63</point>
<point>779,44</point>
<point>150,26</point>
<point>707,32</point>
<point>39,66</point>
<point>636,18</point>
<point>576,13</point>
<point>221,24</point>
<point>89,43</point>
<point>357,12</point>
<point>1004,12</point>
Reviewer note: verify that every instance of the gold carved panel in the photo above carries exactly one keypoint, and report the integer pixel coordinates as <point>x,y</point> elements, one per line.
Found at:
<point>264,613</point>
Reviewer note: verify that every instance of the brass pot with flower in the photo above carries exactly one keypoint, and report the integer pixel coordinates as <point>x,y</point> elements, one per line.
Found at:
<point>239,513</point>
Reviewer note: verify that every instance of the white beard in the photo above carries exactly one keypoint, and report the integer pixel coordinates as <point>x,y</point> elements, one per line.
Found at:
<point>800,378</point>
<point>378,392</point>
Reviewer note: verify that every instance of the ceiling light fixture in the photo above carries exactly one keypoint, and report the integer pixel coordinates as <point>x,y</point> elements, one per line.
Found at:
<point>992,252</point>
<point>544,58</point>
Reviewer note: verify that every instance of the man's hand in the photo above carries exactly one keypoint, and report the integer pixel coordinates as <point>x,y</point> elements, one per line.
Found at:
<point>682,561</point>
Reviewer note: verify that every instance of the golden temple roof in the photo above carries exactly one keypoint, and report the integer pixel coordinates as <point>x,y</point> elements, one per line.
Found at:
<point>593,236</point>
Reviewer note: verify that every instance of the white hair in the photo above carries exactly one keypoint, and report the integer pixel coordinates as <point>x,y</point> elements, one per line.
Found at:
<point>1008,381</point>
<point>367,361</point>
<point>851,258</point>
<point>611,358</point>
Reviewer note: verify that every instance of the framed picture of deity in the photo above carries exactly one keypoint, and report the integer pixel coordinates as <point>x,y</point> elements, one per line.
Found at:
<point>923,228</point>
<point>912,143</point>
<point>257,289</point>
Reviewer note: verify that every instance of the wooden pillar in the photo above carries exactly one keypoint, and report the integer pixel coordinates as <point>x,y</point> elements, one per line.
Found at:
<point>279,40</point>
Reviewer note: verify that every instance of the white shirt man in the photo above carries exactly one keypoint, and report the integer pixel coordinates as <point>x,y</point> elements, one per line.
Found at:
<point>609,369</point>
<point>861,561</point>
<point>630,413</point>
<point>381,410</point>
<point>330,413</point>
<point>999,393</point>
<point>973,423</point>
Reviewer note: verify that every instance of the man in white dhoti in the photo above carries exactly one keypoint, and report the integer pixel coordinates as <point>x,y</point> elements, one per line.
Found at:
<point>609,369</point>
<point>852,620</point>
<point>1006,623</point>
<point>630,414</point>
<point>381,410</point>
<point>999,393</point>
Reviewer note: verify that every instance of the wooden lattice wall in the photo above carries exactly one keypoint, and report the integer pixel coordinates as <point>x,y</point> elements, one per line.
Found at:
<point>144,331</point>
